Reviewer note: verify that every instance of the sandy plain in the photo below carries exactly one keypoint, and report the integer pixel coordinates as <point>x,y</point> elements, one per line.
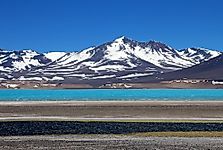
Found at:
<point>112,110</point>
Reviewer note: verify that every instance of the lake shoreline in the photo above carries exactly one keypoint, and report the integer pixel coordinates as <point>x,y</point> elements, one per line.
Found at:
<point>115,102</point>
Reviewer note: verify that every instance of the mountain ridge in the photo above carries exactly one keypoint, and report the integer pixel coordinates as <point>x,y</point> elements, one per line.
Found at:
<point>122,58</point>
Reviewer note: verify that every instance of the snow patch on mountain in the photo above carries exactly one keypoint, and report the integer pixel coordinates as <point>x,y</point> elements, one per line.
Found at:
<point>135,75</point>
<point>113,68</point>
<point>103,77</point>
<point>22,78</point>
<point>54,55</point>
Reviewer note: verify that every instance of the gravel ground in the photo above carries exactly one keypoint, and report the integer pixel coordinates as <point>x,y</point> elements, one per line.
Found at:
<point>19,128</point>
<point>106,142</point>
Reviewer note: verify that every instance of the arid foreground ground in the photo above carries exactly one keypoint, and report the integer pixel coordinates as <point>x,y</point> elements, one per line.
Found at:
<point>108,142</point>
<point>113,110</point>
<point>111,125</point>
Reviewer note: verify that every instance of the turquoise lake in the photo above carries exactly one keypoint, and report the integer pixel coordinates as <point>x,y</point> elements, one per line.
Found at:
<point>113,94</point>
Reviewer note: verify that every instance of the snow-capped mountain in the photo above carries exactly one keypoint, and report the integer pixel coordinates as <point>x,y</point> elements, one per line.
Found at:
<point>212,69</point>
<point>15,61</point>
<point>198,55</point>
<point>121,58</point>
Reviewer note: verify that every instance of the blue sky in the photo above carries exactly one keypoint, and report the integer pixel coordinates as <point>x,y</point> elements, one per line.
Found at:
<point>67,25</point>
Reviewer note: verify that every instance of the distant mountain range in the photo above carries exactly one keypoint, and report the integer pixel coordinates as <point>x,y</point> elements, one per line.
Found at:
<point>121,60</point>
